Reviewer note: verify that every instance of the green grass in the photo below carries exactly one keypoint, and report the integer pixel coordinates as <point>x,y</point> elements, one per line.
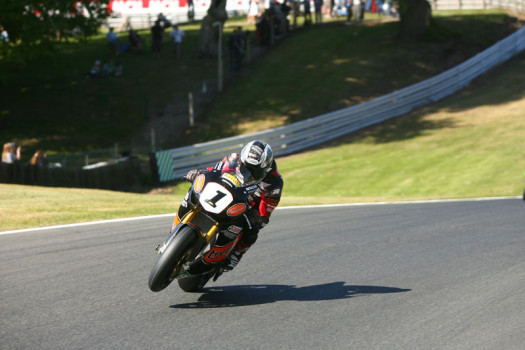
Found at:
<point>333,67</point>
<point>470,145</point>
<point>32,206</point>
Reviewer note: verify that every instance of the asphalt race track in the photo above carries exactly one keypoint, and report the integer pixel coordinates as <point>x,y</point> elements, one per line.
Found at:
<point>447,275</point>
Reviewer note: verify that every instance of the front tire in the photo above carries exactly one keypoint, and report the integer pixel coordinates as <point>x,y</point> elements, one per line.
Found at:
<point>163,271</point>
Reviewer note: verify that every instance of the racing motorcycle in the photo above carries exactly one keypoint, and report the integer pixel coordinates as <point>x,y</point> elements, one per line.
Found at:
<point>216,205</point>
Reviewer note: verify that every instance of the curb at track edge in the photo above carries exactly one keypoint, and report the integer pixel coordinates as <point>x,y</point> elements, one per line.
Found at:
<point>279,208</point>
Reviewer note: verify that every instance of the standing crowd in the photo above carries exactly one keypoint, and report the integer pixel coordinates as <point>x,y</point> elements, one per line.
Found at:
<point>157,36</point>
<point>270,17</point>
<point>11,155</point>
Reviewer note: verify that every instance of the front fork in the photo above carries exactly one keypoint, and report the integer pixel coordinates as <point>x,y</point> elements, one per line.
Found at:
<point>209,231</point>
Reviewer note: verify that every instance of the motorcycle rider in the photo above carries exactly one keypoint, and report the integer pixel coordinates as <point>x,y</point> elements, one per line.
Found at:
<point>256,158</point>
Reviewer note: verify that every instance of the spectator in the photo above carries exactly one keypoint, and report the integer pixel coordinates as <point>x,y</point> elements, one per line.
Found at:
<point>386,8</point>
<point>307,13</point>
<point>177,34</point>
<point>39,158</point>
<point>166,23</point>
<point>318,7</point>
<point>285,10</point>
<point>118,69</point>
<point>253,11</point>
<point>191,10</point>
<point>237,44</point>
<point>108,69</point>
<point>277,19</point>
<point>362,4</point>
<point>114,42</point>
<point>263,30</point>
<point>269,26</point>
<point>4,36</point>
<point>349,4</point>
<point>379,6</point>
<point>157,36</point>
<point>11,153</point>
<point>135,41</point>
<point>95,71</point>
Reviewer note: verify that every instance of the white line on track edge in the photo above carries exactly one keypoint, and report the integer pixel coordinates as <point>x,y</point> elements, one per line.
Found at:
<point>279,208</point>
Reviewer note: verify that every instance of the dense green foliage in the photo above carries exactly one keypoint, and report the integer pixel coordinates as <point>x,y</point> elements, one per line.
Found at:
<point>35,26</point>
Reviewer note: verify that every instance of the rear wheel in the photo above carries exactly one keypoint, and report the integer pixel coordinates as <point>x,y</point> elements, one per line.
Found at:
<point>194,284</point>
<point>171,259</point>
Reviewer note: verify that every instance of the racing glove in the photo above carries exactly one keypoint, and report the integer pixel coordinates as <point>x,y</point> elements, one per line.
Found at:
<point>256,220</point>
<point>191,175</point>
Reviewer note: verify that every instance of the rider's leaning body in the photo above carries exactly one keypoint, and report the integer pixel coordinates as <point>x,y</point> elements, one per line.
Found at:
<point>253,166</point>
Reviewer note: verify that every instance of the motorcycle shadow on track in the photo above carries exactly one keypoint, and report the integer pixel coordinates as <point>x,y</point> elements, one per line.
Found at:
<point>246,295</point>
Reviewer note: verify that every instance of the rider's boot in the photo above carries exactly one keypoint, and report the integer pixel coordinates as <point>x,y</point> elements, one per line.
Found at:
<point>236,255</point>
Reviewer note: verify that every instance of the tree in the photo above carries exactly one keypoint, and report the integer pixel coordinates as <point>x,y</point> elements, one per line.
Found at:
<point>209,33</point>
<point>415,18</point>
<point>42,21</point>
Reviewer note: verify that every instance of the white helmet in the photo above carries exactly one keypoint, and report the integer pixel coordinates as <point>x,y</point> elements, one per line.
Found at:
<point>257,158</point>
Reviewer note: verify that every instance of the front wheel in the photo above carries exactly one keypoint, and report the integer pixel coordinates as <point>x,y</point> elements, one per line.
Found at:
<point>171,259</point>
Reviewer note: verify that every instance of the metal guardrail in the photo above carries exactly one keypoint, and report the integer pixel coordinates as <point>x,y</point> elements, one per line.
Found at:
<point>292,138</point>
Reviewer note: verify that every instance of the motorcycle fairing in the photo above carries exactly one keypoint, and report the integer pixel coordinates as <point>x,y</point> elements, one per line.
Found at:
<point>219,253</point>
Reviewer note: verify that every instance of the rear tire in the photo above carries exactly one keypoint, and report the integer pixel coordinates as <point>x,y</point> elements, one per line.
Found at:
<point>194,284</point>
<point>161,275</point>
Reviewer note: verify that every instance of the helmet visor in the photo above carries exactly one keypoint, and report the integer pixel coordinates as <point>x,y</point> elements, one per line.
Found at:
<point>257,172</point>
<point>244,175</point>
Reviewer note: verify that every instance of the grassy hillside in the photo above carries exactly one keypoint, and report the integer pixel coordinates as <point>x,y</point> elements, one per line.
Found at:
<point>470,145</point>
<point>49,104</point>
<point>335,66</point>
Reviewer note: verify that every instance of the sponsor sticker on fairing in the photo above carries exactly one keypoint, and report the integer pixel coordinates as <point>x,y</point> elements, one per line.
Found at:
<point>228,234</point>
<point>236,209</point>
<point>232,179</point>
<point>251,188</point>
<point>235,229</point>
<point>199,183</point>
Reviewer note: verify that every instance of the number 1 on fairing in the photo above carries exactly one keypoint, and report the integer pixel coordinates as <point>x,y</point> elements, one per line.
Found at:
<point>215,198</point>
<point>220,195</point>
